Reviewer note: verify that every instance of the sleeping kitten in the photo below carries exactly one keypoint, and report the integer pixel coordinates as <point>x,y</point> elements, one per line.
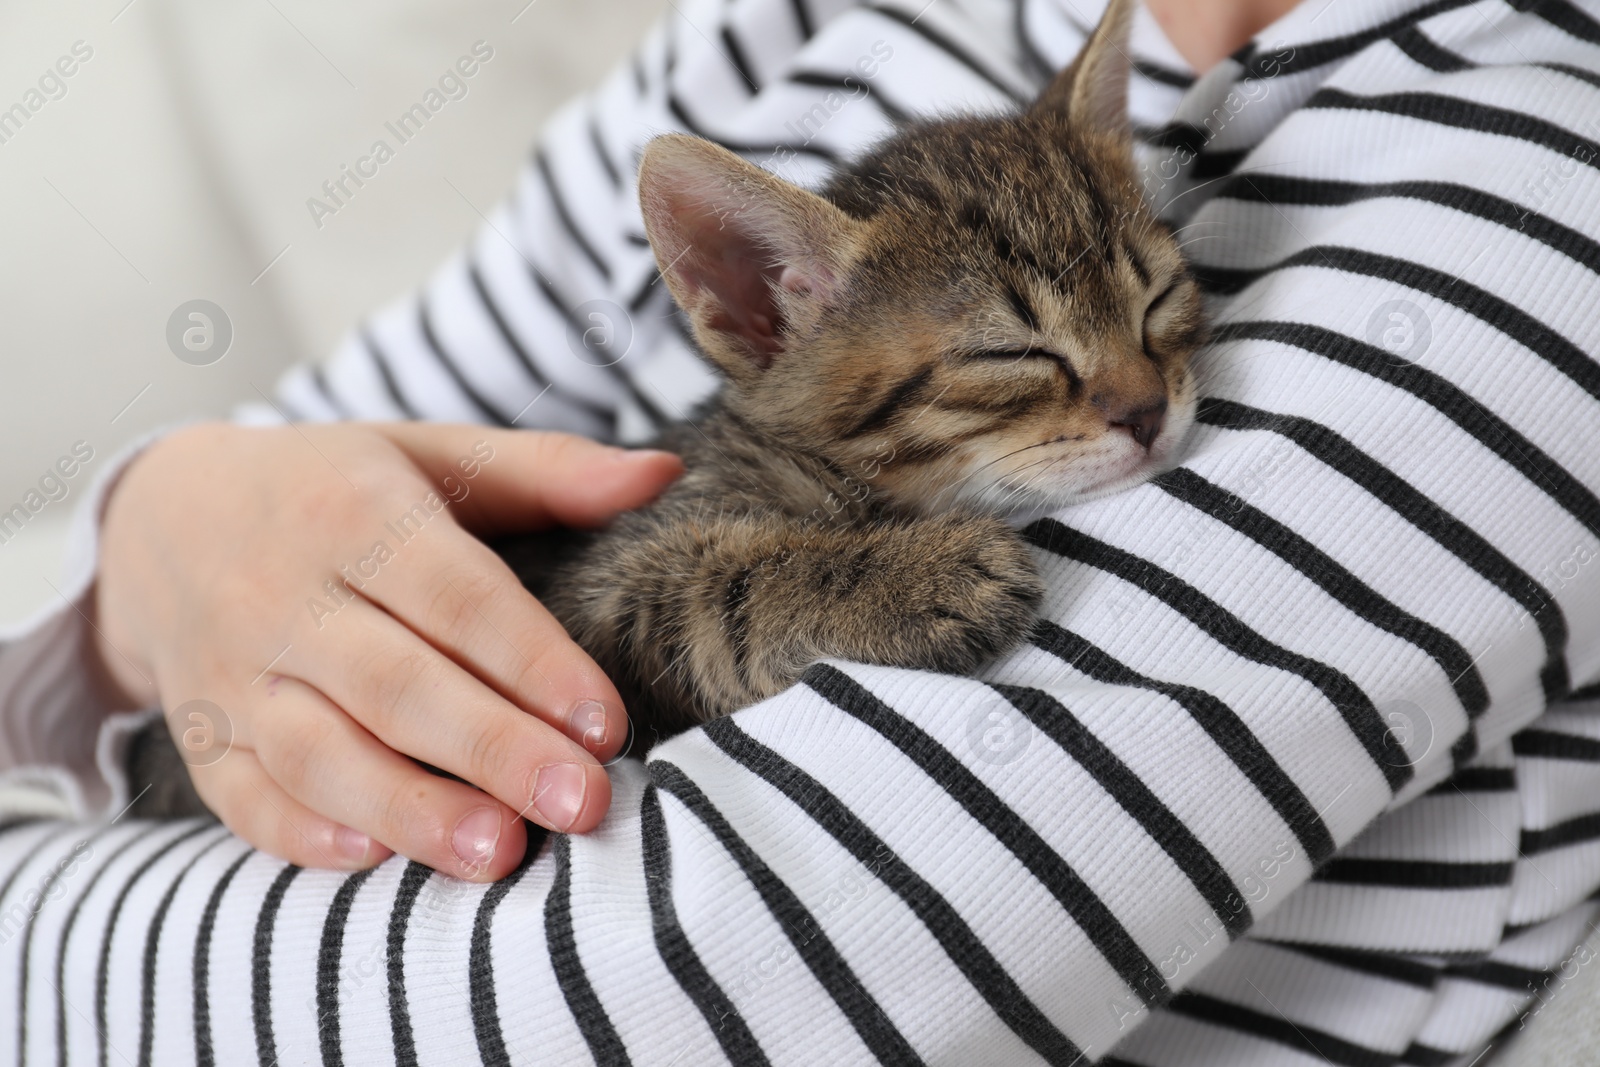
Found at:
<point>979,316</point>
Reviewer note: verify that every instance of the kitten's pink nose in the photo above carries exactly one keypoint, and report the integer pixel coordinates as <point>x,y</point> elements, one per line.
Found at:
<point>1143,423</point>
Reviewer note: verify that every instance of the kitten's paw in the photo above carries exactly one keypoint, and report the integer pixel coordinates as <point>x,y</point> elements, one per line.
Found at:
<point>976,594</point>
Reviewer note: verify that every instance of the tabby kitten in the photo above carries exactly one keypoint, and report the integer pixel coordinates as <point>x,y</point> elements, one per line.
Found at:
<point>979,316</point>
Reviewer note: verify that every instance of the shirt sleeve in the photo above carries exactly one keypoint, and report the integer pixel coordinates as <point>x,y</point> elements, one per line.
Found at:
<point>1367,577</point>
<point>61,734</point>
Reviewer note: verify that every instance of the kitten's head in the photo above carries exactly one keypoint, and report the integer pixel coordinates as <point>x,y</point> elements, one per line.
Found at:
<point>987,301</point>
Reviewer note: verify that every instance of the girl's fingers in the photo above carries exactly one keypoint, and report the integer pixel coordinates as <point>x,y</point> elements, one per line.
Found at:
<point>418,701</point>
<point>458,596</point>
<point>241,793</point>
<point>503,481</point>
<point>324,759</point>
<point>255,584</point>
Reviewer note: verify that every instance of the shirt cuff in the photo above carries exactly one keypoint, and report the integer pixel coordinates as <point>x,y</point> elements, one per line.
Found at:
<point>61,741</point>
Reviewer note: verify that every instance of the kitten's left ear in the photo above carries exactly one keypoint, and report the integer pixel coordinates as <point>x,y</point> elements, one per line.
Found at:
<point>751,258</point>
<point>1092,93</point>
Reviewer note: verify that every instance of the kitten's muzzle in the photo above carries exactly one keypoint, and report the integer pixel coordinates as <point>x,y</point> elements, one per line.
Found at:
<point>1143,423</point>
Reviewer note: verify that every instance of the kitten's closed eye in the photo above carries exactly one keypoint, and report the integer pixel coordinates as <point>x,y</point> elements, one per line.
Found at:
<point>1042,355</point>
<point>1160,299</point>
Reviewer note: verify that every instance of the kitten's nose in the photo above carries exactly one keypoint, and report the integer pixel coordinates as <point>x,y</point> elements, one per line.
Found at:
<point>1143,423</point>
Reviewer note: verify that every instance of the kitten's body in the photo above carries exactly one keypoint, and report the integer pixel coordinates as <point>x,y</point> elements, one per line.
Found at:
<point>978,316</point>
<point>761,559</point>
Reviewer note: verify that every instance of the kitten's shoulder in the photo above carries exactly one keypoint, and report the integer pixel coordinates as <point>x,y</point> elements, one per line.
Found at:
<point>731,465</point>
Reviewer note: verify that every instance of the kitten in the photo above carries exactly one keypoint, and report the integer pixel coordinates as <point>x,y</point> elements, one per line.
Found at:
<point>979,316</point>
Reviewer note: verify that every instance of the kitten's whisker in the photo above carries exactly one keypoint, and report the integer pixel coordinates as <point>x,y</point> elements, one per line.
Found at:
<point>1206,376</point>
<point>1209,365</point>
<point>1027,466</point>
<point>959,482</point>
<point>1021,490</point>
<point>1045,462</point>
<point>1176,230</point>
<point>976,471</point>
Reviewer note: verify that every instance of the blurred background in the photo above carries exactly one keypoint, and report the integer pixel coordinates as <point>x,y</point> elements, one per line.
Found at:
<point>174,164</point>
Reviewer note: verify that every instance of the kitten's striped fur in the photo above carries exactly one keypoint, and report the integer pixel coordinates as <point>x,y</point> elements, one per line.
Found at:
<point>979,315</point>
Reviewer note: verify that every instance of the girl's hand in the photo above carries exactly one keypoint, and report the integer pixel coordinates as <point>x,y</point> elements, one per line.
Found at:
<point>323,586</point>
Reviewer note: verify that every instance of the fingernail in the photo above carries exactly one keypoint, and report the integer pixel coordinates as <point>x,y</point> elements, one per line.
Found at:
<point>586,724</point>
<point>558,794</point>
<point>352,844</point>
<point>475,838</point>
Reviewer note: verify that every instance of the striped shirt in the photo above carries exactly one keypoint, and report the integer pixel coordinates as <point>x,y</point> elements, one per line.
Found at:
<point>1299,767</point>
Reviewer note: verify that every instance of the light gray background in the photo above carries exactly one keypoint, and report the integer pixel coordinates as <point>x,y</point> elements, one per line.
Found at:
<point>177,166</point>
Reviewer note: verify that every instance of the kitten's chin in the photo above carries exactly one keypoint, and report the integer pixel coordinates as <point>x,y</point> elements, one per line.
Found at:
<point>1045,499</point>
<point>1117,484</point>
<point>1108,486</point>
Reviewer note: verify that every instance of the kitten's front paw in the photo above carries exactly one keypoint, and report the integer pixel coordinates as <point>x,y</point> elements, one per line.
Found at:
<point>973,595</point>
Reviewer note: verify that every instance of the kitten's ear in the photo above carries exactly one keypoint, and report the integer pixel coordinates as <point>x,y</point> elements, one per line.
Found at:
<point>1092,93</point>
<point>749,256</point>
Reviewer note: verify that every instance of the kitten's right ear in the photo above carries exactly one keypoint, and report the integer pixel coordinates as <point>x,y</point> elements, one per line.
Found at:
<point>1092,93</point>
<point>750,257</point>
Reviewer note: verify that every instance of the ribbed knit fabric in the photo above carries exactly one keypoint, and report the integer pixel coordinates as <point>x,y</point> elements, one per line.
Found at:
<point>1285,775</point>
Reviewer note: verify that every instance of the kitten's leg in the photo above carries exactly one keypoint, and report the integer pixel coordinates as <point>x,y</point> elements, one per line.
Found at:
<point>699,619</point>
